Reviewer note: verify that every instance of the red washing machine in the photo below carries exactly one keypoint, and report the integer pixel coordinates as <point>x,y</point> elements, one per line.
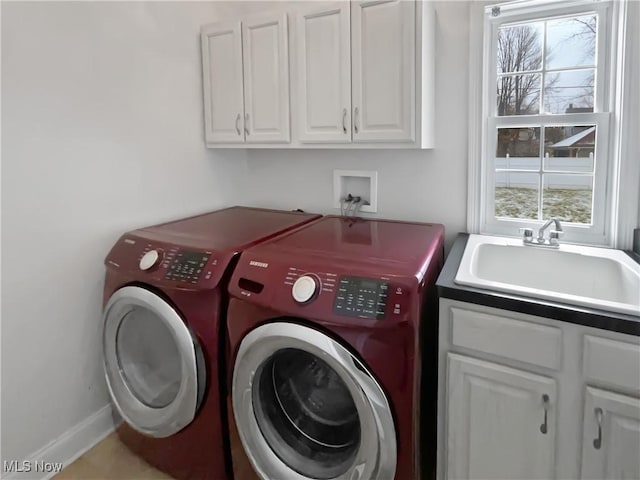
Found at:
<point>164,311</point>
<point>332,342</point>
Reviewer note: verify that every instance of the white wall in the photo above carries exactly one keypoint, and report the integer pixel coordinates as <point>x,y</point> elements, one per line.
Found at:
<point>102,132</point>
<point>429,185</point>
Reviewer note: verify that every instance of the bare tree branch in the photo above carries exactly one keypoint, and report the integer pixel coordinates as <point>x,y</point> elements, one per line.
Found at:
<point>519,50</point>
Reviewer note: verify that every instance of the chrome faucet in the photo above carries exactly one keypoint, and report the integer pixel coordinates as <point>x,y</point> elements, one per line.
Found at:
<point>554,235</point>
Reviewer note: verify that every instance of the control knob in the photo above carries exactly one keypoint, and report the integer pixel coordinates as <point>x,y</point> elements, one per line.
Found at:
<point>304,288</point>
<point>150,259</point>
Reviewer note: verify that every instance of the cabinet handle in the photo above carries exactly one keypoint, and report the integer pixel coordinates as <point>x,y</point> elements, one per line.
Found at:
<point>344,120</point>
<point>246,124</point>
<point>355,120</point>
<point>545,404</point>
<point>237,124</point>
<point>597,442</point>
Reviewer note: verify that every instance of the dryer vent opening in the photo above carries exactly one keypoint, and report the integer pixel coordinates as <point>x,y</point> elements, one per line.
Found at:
<point>306,413</point>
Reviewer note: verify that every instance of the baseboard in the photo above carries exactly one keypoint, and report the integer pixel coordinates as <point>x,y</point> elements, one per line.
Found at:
<point>68,446</point>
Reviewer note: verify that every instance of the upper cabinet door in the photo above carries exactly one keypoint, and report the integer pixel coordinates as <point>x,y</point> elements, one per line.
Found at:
<point>323,73</point>
<point>222,82</point>
<point>501,422</point>
<point>383,69</point>
<point>611,436</point>
<point>266,79</point>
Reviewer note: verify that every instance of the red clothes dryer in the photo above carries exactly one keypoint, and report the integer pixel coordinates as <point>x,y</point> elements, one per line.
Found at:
<point>332,335</point>
<point>164,309</point>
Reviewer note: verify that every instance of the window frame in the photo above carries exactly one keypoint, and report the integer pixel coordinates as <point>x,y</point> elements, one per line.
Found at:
<point>600,232</point>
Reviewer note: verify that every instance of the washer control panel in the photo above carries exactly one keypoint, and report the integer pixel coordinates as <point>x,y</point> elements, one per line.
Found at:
<point>186,266</point>
<point>361,297</point>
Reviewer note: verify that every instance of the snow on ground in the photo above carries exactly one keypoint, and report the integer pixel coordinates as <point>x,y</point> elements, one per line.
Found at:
<point>568,205</point>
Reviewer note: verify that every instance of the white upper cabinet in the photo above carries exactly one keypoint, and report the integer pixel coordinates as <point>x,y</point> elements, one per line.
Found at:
<point>352,74</point>
<point>245,68</point>
<point>222,77</point>
<point>323,73</point>
<point>611,436</point>
<point>501,422</point>
<point>383,67</point>
<point>266,79</point>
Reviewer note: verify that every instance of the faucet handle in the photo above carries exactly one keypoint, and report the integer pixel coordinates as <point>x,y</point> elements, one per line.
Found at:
<point>527,234</point>
<point>554,236</point>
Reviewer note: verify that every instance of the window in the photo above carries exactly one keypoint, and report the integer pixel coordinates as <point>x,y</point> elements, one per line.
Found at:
<point>548,101</point>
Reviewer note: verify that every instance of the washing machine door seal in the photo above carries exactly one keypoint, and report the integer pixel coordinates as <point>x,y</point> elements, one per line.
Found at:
<point>305,407</point>
<point>153,364</point>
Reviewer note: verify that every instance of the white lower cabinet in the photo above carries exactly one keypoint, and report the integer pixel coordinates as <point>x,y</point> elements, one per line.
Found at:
<point>501,421</point>
<point>525,397</point>
<point>611,436</point>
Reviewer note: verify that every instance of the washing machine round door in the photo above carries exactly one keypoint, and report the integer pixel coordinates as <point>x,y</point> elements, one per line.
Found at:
<point>306,408</point>
<point>153,364</point>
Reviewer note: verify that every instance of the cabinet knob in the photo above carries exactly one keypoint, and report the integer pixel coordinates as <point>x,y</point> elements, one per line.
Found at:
<point>246,124</point>
<point>238,124</point>
<point>544,428</point>
<point>355,120</point>
<point>344,120</point>
<point>597,442</point>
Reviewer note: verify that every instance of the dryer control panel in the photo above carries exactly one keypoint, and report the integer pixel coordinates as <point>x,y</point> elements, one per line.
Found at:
<point>186,266</point>
<point>167,265</point>
<point>361,297</point>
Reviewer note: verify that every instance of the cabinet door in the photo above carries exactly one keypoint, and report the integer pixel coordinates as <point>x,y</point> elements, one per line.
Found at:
<point>323,73</point>
<point>266,79</point>
<point>611,436</point>
<point>383,70</point>
<point>222,82</point>
<point>501,422</point>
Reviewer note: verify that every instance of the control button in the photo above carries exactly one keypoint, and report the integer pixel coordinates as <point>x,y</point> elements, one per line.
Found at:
<point>303,289</point>
<point>149,260</point>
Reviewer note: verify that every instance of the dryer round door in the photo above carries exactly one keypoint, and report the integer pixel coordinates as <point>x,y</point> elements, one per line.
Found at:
<point>153,365</point>
<point>306,408</point>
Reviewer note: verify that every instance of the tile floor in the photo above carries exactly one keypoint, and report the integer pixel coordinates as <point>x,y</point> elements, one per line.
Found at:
<point>110,460</point>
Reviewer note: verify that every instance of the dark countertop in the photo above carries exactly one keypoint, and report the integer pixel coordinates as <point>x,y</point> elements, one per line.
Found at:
<point>447,288</point>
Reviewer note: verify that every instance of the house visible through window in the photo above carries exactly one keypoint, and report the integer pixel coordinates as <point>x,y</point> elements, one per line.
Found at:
<point>548,107</point>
